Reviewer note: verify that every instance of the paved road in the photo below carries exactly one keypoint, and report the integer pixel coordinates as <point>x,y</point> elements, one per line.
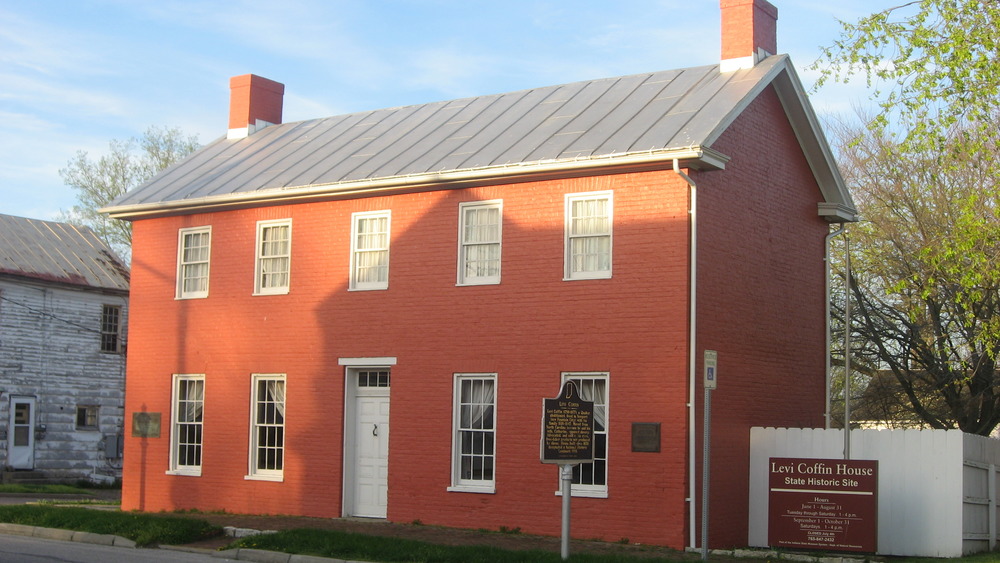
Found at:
<point>24,549</point>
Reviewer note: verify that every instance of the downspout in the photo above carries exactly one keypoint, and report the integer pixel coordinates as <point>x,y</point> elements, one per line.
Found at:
<point>829,320</point>
<point>693,294</point>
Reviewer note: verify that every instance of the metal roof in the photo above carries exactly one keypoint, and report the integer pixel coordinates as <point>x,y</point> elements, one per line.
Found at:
<point>59,253</point>
<point>653,116</point>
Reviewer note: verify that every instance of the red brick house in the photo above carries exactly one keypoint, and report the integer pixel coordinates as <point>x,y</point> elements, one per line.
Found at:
<point>444,267</point>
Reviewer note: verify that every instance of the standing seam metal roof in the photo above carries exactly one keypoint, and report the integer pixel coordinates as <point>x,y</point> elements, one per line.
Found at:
<point>59,252</point>
<point>583,120</point>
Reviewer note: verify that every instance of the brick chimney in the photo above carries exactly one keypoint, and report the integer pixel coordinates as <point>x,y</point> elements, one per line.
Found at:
<point>749,33</point>
<point>254,103</point>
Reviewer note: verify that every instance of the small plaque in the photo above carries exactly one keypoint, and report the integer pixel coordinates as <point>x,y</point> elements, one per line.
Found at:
<point>645,436</point>
<point>145,425</point>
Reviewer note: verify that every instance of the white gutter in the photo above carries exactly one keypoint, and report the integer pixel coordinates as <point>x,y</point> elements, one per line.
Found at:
<point>829,320</point>
<point>371,186</point>
<point>692,351</point>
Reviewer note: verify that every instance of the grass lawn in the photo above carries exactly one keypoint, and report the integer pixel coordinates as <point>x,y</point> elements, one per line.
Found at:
<point>175,529</point>
<point>44,489</point>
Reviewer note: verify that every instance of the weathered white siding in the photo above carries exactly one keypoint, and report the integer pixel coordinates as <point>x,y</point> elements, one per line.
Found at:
<point>50,349</point>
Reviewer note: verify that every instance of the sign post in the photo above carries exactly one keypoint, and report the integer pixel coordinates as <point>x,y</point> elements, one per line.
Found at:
<point>711,382</point>
<point>567,439</point>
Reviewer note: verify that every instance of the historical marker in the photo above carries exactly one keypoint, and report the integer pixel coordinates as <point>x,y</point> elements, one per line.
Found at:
<point>567,428</point>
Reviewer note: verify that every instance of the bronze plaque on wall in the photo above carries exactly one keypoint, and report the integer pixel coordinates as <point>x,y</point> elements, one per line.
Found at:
<point>145,425</point>
<point>645,436</point>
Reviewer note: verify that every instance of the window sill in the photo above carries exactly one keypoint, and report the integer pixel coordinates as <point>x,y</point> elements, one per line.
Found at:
<point>481,489</point>
<point>590,276</point>
<point>586,494</point>
<point>188,297</point>
<point>274,478</point>
<point>475,283</point>
<point>275,292</point>
<point>185,472</point>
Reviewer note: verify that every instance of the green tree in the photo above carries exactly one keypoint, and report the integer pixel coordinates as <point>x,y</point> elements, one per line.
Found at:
<point>934,64</point>
<point>925,286</point>
<point>128,164</point>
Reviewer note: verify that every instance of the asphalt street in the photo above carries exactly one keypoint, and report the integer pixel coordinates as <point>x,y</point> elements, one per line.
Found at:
<point>24,549</point>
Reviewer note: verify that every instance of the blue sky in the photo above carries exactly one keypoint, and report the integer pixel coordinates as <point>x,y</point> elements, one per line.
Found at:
<point>75,74</point>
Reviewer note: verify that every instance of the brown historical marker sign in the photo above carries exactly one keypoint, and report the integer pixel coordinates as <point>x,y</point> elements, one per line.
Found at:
<point>567,428</point>
<point>823,504</point>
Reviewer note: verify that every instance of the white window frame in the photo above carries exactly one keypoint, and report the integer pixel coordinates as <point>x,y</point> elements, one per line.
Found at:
<point>183,264</point>
<point>253,471</point>
<point>593,490</point>
<point>259,273</point>
<point>571,272</point>
<point>176,425</point>
<point>458,482</point>
<point>465,246</point>
<point>356,251</point>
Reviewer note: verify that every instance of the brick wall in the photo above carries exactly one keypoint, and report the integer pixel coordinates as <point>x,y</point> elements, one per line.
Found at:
<point>760,300</point>
<point>528,330</point>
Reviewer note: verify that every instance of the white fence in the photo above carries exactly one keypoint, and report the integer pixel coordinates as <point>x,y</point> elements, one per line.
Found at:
<point>937,489</point>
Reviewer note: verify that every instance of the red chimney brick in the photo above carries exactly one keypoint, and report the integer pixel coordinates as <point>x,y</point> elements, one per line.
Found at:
<point>748,26</point>
<point>253,99</point>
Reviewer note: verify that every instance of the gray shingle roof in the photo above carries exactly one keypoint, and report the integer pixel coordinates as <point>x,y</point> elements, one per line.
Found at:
<point>60,253</point>
<point>653,116</point>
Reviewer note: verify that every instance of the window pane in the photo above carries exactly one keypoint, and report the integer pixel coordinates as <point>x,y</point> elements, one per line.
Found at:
<point>273,257</point>
<point>194,259</point>
<point>588,244</point>
<point>269,432</point>
<point>186,434</point>
<point>110,323</point>
<point>479,255</point>
<point>594,389</point>
<point>474,425</point>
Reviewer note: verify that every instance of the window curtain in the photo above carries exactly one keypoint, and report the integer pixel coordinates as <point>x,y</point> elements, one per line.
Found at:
<point>276,394</point>
<point>591,235</point>
<point>193,397</point>
<point>481,242</point>
<point>595,390</point>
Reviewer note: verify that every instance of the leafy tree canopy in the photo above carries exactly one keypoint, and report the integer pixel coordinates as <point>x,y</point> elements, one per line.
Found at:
<point>924,278</point>
<point>128,164</point>
<point>934,63</point>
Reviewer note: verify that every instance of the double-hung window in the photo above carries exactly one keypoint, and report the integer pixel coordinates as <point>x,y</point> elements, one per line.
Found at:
<point>588,235</point>
<point>370,250</point>
<point>591,479</point>
<point>267,427</point>
<point>187,416</point>
<point>274,257</point>
<point>474,439</point>
<point>479,242</point>
<point>193,252</point>
<point>111,329</point>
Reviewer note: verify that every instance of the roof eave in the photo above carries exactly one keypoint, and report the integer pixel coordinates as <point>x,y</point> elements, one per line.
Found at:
<point>838,205</point>
<point>701,158</point>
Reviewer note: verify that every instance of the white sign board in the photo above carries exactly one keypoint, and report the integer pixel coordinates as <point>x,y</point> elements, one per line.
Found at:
<point>711,369</point>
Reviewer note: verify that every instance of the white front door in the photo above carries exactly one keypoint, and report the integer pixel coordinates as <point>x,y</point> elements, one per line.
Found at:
<point>369,469</point>
<point>21,436</point>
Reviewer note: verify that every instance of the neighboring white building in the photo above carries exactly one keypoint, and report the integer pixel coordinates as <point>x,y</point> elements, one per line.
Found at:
<point>63,318</point>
